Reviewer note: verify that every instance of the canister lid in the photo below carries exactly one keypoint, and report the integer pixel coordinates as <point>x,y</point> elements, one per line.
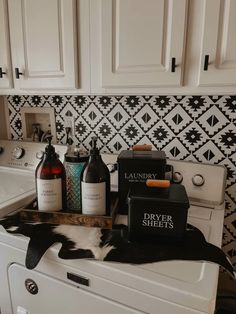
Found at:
<point>76,156</point>
<point>149,155</point>
<point>175,194</point>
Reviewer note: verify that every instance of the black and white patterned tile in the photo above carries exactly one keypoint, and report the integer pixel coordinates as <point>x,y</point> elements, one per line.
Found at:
<point>82,130</point>
<point>176,150</point>
<point>228,106</point>
<point>118,116</point>
<point>162,104</point>
<point>117,144</point>
<point>105,130</point>
<point>209,153</point>
<point>92,115</point>
<point>80,103</point>
<point>212,120</point>
<point>226,139</point>
<point>131,132</point>
<point>160,134</point>
<point>192,136</point>
<point>132,104</point>
<point>177,119</point>
<point>146,117</point>
<point>196,105</point>
<point>198,128</point>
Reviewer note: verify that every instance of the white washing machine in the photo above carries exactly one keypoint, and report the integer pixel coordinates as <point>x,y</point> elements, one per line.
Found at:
<point>88,286</point>
<point>18,161</point>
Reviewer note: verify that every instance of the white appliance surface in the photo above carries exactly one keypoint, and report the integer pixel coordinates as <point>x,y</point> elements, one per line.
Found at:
<point>178,287</point>
<point>18,162</point>
<point>18,181</point>
<point>17,188</point>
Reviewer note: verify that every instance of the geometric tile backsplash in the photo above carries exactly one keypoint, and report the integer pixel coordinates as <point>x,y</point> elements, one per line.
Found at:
<point>199,128</point>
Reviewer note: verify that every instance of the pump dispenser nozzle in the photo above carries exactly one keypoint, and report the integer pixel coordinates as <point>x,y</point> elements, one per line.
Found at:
<point>49,150</point>
<point>94,150</point>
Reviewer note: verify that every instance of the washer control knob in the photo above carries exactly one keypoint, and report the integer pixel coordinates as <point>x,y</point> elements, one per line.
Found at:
<point>198,180</point>
<point>1,150</point>
<point>18,152</point>
<point>177,177</point>
<point>39,154</point>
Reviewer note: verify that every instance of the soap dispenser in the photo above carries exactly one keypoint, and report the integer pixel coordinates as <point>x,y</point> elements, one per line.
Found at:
<point>50,181</point>
<point>95,184</point>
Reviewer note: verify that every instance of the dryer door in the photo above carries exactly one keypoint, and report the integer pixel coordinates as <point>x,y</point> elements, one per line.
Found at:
<point>35,293</point>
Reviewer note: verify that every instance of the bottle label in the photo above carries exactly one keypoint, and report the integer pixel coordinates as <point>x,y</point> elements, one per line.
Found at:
<point>93,198</point>
<point>49,194</point>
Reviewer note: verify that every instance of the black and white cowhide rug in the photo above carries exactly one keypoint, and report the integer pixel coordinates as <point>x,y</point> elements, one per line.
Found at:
<point>112,245</point>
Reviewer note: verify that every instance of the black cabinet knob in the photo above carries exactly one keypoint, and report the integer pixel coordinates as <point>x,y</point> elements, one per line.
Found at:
<point>18,73</point>
<point>2,73</point>
<point>173,64</point>
<point>206,63</point>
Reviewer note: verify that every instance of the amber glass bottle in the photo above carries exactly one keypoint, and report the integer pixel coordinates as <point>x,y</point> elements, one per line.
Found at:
<point>50,181</point>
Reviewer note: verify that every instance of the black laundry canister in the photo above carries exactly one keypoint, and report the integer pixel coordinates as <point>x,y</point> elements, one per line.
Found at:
<point>135,167</point>
<point>157,213</point>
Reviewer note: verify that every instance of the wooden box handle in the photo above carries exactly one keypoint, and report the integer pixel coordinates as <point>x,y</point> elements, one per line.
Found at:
<point>142,147</point>
<point>158,183</point>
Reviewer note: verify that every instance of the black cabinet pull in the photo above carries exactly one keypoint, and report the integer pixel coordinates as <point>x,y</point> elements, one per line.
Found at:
<point>18,73</point>
<point>2,73</point>
<point>173,65</point>
<point>206,63</point>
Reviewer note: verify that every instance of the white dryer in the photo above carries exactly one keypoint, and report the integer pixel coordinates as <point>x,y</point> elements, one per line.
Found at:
<point>18,161</point>
<point>88,286</point>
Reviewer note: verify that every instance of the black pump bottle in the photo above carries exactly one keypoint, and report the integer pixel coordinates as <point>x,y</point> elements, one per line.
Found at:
<point>95,184</point>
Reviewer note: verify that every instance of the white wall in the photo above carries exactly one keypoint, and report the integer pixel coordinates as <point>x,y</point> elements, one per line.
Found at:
<point>4,127</point>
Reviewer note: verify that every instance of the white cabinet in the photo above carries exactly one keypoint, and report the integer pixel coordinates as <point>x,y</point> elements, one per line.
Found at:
<point>5,62</point>
<point>43,41</point>
<point>118,46</point>
<point>218,43</point>
<point>137,43</point>
<point>133,43</point>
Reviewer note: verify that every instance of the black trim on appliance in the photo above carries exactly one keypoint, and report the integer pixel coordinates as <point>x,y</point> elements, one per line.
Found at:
<point>78,279</point>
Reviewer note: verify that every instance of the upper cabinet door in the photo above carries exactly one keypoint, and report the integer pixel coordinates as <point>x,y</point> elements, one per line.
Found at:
<point>140,42</point>
<point>218,42</point>
<point>5,62</point>
<point>43,43</point>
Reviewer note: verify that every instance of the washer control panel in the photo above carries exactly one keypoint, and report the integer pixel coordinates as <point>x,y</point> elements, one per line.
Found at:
<point>198,180</point>
<point>204,183</point>
<point>25,155</point>
<point>18,152</point>
<point>177,177</point>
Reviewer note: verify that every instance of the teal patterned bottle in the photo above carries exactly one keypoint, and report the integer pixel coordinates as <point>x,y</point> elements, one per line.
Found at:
<point>74,164</point>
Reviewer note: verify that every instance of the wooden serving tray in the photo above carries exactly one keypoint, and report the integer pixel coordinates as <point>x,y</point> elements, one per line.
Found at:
<point>31,214</point>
